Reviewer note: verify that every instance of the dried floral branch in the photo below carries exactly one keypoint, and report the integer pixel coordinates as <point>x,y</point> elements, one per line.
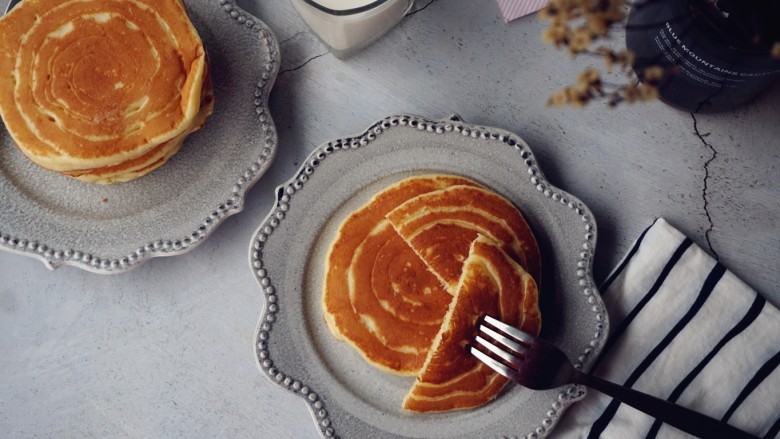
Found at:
<point>578,26</point>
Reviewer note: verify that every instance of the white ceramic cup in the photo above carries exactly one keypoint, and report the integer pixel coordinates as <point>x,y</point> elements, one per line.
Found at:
<point>349,25</point>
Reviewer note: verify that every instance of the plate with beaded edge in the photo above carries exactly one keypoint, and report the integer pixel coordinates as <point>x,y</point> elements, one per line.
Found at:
<point>346,396</point>
<point>114,228</point>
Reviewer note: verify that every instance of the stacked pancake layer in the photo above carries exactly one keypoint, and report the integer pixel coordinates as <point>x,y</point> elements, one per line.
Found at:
<point>395,265</point>
<point>441,226</point>
<point>100,90</point>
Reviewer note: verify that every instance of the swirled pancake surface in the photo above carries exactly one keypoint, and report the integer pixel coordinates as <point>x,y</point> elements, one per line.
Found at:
<point>491,283</point>
<point>93,83</point>
<point>378,295</point>
<point>440,226</point>
<point>386,289</point>
<point>145,163</point>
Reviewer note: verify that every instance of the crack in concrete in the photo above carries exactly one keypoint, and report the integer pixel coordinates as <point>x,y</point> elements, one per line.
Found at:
<point>409,14</point>
<point>302,64</point>
<point>704,191</point>
<point>296,35</point>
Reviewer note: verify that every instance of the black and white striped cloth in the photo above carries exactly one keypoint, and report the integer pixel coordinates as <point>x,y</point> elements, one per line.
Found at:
<point>685,329</point>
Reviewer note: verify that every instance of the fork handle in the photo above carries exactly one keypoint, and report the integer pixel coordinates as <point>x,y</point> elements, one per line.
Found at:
<point>675,415</point>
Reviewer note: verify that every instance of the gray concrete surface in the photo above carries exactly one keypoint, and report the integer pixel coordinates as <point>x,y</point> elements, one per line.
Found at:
<point>166,349</point>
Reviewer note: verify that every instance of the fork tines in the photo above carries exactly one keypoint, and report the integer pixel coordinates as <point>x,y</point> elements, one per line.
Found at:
<point>508,346</point>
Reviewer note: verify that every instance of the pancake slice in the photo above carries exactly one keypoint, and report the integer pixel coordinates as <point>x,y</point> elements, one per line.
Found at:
<point>378,296</point>
<point>491,283</point>
<point>440,226</point>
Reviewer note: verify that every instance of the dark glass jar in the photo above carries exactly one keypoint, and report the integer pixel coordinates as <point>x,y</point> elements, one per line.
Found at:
<point>717,53</point>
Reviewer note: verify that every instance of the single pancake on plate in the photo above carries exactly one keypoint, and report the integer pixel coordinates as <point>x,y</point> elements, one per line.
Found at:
<point>440,226</point>
<point>378,295</point>
<point>491,283</point>
<point>94,84</point>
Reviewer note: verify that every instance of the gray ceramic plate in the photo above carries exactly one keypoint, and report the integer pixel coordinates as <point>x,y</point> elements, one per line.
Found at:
<point>348,397</point>
<point>108,229</point>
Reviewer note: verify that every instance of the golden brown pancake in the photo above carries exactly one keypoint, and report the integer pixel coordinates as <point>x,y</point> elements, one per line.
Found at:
<point>378,295</point>
<point>142,165</point>
<point>93,83</point>
<point>388,289</point>
<point>492,283</point>
<point>440,226</point>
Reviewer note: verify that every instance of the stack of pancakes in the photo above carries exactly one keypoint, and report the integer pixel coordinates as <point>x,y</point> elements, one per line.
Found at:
<point>409,274</point>
<point>103,91</point>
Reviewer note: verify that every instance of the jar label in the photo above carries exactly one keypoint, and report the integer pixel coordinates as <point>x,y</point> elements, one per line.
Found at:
<point>699,67</point>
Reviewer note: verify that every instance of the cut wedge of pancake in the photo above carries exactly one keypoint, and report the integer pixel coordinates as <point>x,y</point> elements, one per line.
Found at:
<point>378,295</point>
<point>93,83</point>
<point>440,226</point>
<point>492,283</point>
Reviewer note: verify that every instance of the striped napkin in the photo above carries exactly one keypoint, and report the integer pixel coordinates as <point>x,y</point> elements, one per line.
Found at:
<point>514,9</point>
<point>685,329</point>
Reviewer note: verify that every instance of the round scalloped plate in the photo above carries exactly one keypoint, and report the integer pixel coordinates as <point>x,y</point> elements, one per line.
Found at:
<point>350,398</point>
<point>111,229</point>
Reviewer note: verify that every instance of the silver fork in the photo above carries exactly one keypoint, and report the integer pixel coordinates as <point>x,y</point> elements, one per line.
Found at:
<point>536,364</point>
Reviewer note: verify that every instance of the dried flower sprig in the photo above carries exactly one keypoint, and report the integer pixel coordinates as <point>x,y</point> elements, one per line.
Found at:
<point>577,25</point>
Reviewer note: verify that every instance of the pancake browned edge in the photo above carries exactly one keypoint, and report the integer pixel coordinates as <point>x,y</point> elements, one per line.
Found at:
<point>492,283</point>
<point>105,90</point>
<point>378,296</point>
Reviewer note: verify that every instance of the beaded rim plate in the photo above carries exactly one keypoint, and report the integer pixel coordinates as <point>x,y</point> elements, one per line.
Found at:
<point>111,229</point>
<point>346,396</point>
